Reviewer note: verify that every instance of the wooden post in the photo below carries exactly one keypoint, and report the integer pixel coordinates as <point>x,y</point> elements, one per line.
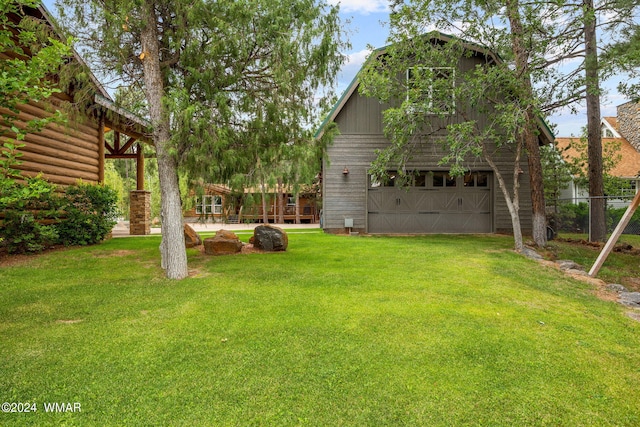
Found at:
<point>101,149</point>
<point>139,168</point>
<point>615,235</point>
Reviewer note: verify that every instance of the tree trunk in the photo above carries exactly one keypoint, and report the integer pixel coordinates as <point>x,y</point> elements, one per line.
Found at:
<point>297,199</point>
<point>598,229</point>
<point>265,211</point>
<point>173,250</point>
<point>538,208</point>
<point>280,201</point>
<point>513,201</point>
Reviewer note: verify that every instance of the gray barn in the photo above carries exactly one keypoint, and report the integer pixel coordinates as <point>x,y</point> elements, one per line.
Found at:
<point>435,203</point>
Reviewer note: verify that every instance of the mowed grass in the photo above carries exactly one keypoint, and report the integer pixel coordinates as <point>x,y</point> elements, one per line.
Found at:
<point>351,331</point>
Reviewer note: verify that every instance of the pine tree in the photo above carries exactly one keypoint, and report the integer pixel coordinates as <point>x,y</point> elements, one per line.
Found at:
<point>213,72</point>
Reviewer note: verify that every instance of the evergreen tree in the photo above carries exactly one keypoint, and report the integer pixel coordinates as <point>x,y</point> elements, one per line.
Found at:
<point>534,39</point>
<point>212,71</point>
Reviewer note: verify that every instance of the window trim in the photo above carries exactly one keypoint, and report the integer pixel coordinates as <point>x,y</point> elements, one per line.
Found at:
<point>209,204</point>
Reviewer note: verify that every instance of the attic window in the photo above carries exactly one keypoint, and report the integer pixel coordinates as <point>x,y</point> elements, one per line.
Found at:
<point>431,89</point>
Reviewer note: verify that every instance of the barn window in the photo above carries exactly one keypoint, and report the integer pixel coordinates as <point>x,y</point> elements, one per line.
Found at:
<point>476,179</point>
<point>443,179</point>
<point>431,89</point>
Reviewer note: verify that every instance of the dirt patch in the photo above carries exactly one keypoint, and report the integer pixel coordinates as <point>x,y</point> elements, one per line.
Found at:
<point>118,253</point>
<point>631,283</point>
<point>247,248</point>
<point>623,248</point>
<point>250,249</point>
<point>19,260</point>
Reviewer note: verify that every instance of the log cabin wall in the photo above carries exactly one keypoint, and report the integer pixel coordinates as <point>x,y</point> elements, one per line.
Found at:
<point>63,153</point>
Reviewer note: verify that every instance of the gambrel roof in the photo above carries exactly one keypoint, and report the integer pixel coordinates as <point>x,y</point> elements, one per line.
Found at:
<point>546,136</point>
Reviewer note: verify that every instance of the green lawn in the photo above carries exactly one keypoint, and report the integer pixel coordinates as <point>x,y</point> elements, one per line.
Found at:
<point>623,268</point>
<point>352,331</point>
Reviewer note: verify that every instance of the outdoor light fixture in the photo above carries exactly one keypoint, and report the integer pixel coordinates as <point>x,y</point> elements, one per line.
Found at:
<point>345,171</point>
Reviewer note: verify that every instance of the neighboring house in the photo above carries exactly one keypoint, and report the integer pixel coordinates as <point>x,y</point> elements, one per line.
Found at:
<point>436,202</point>
<point>622,131</point>
<point>76,151</point>
<point>220,204</point>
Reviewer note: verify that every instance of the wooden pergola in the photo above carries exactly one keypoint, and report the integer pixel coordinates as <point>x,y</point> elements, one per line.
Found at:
<point>129,133</point>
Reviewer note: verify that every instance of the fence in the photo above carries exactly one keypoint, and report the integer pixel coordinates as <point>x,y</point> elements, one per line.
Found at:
<point>574,215</point>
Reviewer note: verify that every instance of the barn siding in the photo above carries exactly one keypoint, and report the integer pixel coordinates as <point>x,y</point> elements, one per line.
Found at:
<point>361,133</point>
<point>346,196</point>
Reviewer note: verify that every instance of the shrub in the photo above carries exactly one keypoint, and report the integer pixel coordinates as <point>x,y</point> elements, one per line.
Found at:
<point>90,212</point>
<point>614,215</point>
<point>24,207</point>
<point>23,233</point>
<point>35,217</point>
<point>573,218</point>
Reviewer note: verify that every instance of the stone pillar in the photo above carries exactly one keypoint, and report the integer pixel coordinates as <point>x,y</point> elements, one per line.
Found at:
<point>139,213</point>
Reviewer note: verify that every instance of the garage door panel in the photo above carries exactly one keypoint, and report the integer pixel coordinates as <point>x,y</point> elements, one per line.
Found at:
<point>477,201</point>
<point>442,209</point>
<point>445,201</point>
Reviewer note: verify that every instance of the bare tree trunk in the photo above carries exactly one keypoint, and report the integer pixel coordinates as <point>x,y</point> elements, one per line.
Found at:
<point>513,201</point>
<point>280,201</point>
<point>265,211</point>
<point>598,230</point>
<point>538,208</point>
<point>172,249</point>
<point>297,199</point>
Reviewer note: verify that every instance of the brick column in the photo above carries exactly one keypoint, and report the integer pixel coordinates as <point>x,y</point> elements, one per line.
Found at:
<point>139,213</point>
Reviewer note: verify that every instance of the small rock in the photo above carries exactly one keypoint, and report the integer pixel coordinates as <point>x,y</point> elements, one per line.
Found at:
<point>531,253</point>
<point>567,264</point>
<point>191,238</point>
<point>615,287</point>
<point>270,238</point>
<point>631,299</point>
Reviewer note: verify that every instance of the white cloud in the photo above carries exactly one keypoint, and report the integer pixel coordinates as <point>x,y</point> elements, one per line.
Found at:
<point>363,7</point>
<point>357,58</point>
<point>353,64</point>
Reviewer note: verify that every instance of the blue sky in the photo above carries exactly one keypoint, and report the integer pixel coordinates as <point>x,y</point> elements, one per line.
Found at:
<point>365,23</point>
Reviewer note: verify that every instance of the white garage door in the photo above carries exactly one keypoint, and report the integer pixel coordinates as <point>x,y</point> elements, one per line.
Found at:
<point>434,203</point>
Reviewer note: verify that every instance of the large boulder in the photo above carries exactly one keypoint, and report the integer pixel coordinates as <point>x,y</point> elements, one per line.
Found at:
<point>223,243</point>
<point>270,238</point>
<point>191,238</point>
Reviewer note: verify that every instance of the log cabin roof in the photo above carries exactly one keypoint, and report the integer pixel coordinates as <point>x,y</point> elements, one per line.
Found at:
<point>546,136</point>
